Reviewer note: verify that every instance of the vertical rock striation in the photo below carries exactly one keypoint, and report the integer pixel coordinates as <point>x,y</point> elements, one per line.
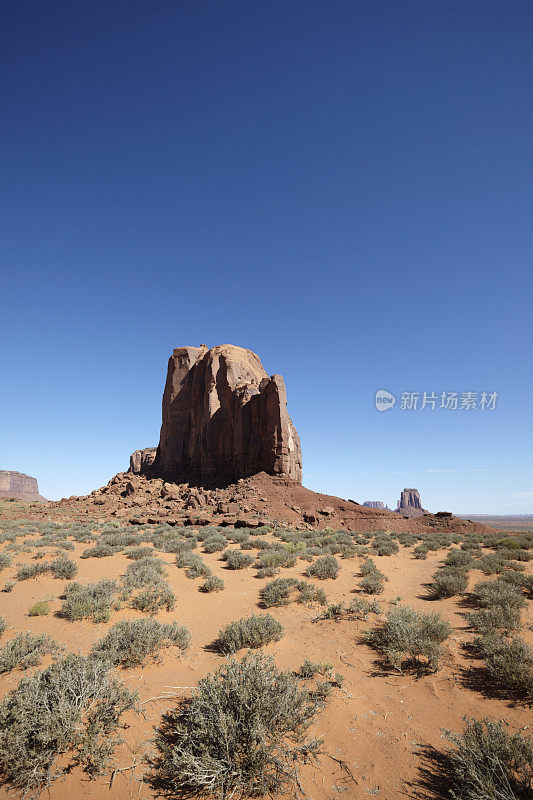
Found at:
<point>224,418</point>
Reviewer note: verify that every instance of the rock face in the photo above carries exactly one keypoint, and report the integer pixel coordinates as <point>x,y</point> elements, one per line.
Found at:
<point>375,504</point>
<point>17,486</point>
<point>409,503</point>
<point>141,460</point>
<point>224,418</point>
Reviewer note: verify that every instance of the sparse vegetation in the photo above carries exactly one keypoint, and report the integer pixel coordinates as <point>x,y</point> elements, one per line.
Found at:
<point>508,663</point>
<point>153,598</point>
<point>252,632</point>
<point>130,642</point>
<point>309,669</point>
<point>488,594</point>
<point>26,650</point>
<point>448,581</point>
<point>3,625</point>
<point>406,636</point>
<point>93,600</point>
<point>5,561</point>
<point>212,584</point>
<point>323,568</point>
<point>281,591</point>
<point>64,567</point>
<point>73,706</point>
<point>236,559</point>
<point>39,609</point>
<point>488,763</point>
<point>242,734</point>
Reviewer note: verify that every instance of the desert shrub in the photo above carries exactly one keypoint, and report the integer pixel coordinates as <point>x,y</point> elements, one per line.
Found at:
<point>90,601</point>
<point>373,583</point>
<point>274,558</point>
<point>5,560</point>
<point>241,734</point>
<point>420,551</point>
<point>195,566</point>
<point>489,763</point>
<point>27,571</point>
<point>385,546</point>
<point>509,663</point>
<point>9,586</point>
<point>64,567</point>
<point>368,567</point>
<point>309,669</point>
<point>488,594</point>
<point>236,559</point>
<point>358,608</point>
<point>145,571</point>
<point>282,591</point>
<point>39,609</point>
<point>150,599</point>
<point>136,553</point>
<point>447,582</point>
<point>491,563</point>
<point>407,635</point>
<point>215,543</point>
<point>26,650</point>
<point>3,625</point>
<point>252,632</point>
<point>100,550</point>
<point>492,619</point>
<point>459,558</point>
<point>130,642</point>
<point>212,584</point>
<point>73,706</point>
<point>323,568</point>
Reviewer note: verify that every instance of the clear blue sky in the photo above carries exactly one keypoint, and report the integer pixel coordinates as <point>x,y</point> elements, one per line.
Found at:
<point>345,188</point>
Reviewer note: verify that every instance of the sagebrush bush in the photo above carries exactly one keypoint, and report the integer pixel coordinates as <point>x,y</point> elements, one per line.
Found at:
<point>282,591</point>
<point>195,566</point>
<point>130,642</point>
<point>39,609</point>
<point>145,571</point>
<point>9,586</point>
<point>241,734</point>
<point>373,583</point>
<point>153,598</point>
<point>215,543</point>
<point>64,567</point>
<point>251,632</point>
<point>236,559</point>
<point>324,567</point>
<point>488,594</point>
<point>406,636</point>
<point>509,664</point>
<point>448,581</point>
<point>5,560</point>
<point>359,608</point>
<point>309,669</point>
<point>137,553</point>
<point>3,625</point>
<point>26,650</point>
<point>27,571</point>
<point>420,551</point>
<point>212,584</point>
<point>459,558</point>
<point>93,600</point>
<point>274,559</point>
<point>488,763</point>
<point>73,706</point>
<point>488,620</point>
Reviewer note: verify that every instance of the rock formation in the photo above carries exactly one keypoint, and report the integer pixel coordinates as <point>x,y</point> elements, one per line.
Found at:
<point>224,418</point>
<point>17,486</point>
<point>141,460</point>
<point>375,504</point>
<point>409,503</point>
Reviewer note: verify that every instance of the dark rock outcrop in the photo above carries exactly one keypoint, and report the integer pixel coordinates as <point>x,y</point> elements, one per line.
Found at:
<point>17,486</point>
<point>142,460</point>
<point>409,503</point>
<point>224,418</point>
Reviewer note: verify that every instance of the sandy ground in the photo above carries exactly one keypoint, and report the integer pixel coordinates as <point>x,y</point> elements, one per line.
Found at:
<point>380,723</point>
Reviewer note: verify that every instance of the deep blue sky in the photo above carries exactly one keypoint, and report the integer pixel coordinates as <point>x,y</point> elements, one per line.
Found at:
<point>345,188</point>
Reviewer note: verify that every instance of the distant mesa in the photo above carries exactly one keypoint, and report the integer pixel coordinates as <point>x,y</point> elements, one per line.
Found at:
<point>376,504</point>
<point>18,486</point>
<point>410,504</point>
<point>224,419</point>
